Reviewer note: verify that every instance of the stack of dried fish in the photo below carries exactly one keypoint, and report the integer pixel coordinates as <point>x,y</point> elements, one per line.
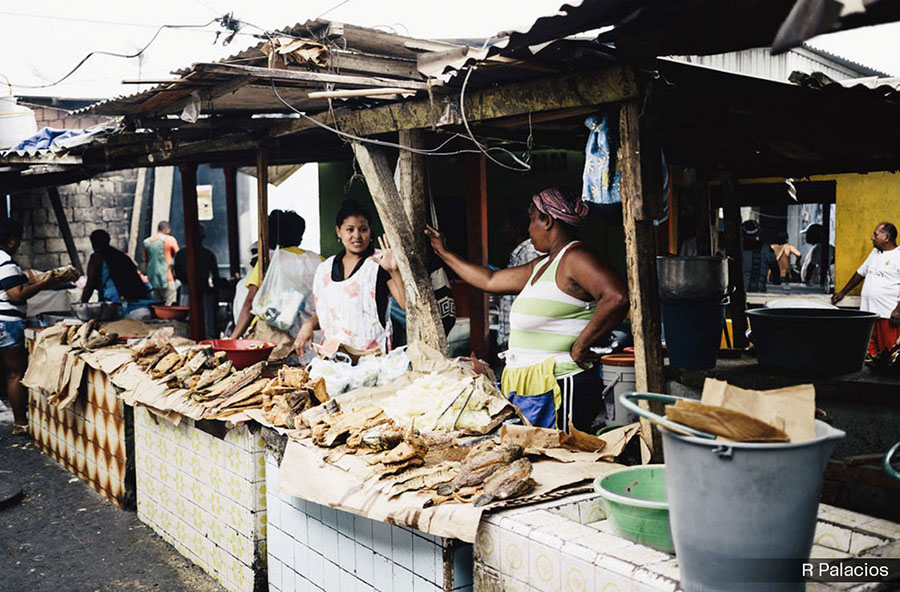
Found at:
<point>239,392</point>
<point>332,427</point>
<point>409,453</point>
<point>88,335</point>
<point>289,394</point>
<point>497,471</point>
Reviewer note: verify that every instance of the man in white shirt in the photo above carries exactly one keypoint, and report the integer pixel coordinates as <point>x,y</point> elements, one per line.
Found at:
<point>881,292</point>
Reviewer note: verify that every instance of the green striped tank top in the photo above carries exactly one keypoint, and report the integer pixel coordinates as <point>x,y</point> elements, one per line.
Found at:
<point>545,322</point>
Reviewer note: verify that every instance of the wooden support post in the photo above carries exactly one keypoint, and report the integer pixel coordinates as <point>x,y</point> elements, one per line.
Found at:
<point>734,249</point>
<point>421,306</point>
<point>56,202</point>
<point>231,209</point>
<point>476,222</point>
<point>192,243</point>
<point>262,209</point>
<point>704,224</point>
<point>411,185</point>
<point>136,207</point>
<point>641,166</point>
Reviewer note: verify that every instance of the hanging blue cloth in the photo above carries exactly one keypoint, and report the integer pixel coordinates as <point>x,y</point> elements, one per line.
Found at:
<point>597,185</point>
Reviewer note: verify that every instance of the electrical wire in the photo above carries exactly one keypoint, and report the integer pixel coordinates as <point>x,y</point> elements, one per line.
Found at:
<point>424,151</point>
<point>335,7</point>
<point>117,55</point>
<point>462,110</point>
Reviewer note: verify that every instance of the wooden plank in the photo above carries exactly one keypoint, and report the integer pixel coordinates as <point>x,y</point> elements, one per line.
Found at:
<point>641,186</point>
<point>192,243</point>
<point>421,307</point>
<point>351,61</point>
<point>262,209</point>
<point>163,177</point>
<point>45,158</point>
<point>579,89</point>
<point>477,231</point>
<point>206,95</point>
<point>733,248</point>
<point>272,74</point>
<point>137,206</point>
<point>231,209</point>
<point>56,202</point>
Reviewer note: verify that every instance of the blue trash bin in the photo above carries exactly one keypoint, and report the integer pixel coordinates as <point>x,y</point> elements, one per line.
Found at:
<point>693,331</point>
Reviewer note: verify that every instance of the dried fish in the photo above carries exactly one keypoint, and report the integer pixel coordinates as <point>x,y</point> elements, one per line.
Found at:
<point>98,340</point>
<point>211,377</point>
<point>168,364</point>
<point>424,478</point>
<point>480,464</point>
<point>509,481</point>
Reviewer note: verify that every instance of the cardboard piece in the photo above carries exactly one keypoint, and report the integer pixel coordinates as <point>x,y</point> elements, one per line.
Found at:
<point>791,409</point>
<point>342,485</point>
<point>725,423</point>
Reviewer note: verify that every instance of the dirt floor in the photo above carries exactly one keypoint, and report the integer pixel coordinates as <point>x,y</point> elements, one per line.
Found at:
<point>64,537</point>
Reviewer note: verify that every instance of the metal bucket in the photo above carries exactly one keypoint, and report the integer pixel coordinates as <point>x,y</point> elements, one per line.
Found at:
<point>740,511</point>
<point>692,278</point>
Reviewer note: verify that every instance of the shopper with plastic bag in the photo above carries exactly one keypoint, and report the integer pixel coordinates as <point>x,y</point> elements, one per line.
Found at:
<point>352,289</point>
<point>278,304</point>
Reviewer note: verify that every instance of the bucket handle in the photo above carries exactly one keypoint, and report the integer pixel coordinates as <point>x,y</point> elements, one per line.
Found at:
<point>886,465</point>
<point>628,401</point>
<point>611,385</point>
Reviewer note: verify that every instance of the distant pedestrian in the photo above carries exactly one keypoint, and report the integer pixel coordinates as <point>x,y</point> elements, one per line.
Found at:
<point>784,250</point>
<point>881,292</point>
<point>208,270</point>
<point>15,290</point>
<point>811,270</point>
<point>112,273</point>
<point>759,259</point>
<point>159,254</point>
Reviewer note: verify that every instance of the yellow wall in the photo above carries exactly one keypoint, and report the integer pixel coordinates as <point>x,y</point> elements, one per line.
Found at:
<point>862,202</point>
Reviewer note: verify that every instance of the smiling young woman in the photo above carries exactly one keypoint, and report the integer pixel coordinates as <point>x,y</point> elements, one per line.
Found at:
<point>351,289</point>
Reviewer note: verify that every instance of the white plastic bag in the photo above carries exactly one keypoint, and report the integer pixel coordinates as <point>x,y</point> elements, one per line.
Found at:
<point>285,289</point>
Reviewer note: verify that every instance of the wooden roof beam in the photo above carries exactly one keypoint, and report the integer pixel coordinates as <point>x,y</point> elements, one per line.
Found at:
<point>303,76</point>
<point>585,88</point>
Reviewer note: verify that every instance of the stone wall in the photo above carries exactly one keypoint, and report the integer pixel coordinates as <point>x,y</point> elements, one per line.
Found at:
<point>103,202</point>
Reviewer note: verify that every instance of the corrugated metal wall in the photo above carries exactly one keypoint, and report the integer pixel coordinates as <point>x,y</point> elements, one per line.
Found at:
<point>759,62</point>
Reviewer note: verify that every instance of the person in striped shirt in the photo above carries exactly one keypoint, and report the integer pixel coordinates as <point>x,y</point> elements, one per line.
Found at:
<point>567,300</point>
<point>15,290</point>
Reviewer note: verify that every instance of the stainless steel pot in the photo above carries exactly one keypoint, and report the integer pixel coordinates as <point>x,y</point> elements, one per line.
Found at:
<point>97,311</point>
<point>692,278</point>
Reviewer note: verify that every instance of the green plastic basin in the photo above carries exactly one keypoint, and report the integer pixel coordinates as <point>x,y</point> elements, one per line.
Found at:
<point>635,500</point>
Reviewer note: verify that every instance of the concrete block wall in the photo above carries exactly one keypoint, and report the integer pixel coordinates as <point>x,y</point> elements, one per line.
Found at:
<point>103,202</point>
<point>206,496</point>
<point>315,548</point>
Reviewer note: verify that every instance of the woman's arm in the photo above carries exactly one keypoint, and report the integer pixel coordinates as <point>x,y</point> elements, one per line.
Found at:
<point>503,281</point>
<point>305,336</point>
<point>246,316</point>
<point>92,282</point>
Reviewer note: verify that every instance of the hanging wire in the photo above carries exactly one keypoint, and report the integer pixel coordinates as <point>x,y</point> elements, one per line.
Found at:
<point>117,55</point>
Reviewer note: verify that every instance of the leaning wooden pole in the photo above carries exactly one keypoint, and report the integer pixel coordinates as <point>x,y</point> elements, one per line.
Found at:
<point>192,240</point>
<point>56,202</point>
<point>421,307</point>
<point>641,166</point>
<point>737,306</point>
<point>262,209</point>
<point>477,251</point>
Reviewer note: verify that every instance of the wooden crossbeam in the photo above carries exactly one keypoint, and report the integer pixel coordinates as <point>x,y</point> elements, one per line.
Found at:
<point>270,74</point>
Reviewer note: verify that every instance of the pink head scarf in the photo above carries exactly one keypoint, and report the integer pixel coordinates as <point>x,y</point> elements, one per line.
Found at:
<point>552,202</point>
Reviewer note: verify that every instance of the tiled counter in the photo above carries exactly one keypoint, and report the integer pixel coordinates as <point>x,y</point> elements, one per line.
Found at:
<point>569,546</point>
<point>92,438</point>
<point>204,492</point>
<point>313,547</point>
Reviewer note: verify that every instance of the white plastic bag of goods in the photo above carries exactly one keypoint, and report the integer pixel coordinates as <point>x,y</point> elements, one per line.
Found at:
<point>285,290</point>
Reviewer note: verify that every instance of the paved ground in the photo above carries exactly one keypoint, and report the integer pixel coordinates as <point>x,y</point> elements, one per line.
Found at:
<point>64,537</point>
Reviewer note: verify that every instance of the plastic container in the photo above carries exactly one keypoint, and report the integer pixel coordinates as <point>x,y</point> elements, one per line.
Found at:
<point>732,504</point>
<point>242,352</point>
<point>693,331</point>
<point>170,313</point>
<point>811,341</point>
<point>635,501</point>
<point>618,378</point>
<point>16,122</point>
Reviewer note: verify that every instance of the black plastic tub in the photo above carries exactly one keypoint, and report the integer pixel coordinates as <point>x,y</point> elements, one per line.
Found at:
<point>815,341</point>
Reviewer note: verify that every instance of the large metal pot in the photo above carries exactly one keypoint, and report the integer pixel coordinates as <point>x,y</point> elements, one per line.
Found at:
<point>692,278</point>
<point>97,311</point>
<point>811,341</point>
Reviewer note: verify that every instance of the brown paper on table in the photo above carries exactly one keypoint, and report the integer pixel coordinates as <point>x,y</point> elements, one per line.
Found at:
<point>617,439</point>
<point>791,409</point>
<point>553,443</point>
<point>44,363</point>
<point>127,327</point>
<point>342,485</point>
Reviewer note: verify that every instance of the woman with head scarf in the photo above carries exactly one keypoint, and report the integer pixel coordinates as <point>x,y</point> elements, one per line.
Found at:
<point>352,289</point>
<point>565,302</point>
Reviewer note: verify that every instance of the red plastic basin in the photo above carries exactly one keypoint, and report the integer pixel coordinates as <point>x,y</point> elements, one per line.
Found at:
<point>242,352</point>
<point>170,313</point>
